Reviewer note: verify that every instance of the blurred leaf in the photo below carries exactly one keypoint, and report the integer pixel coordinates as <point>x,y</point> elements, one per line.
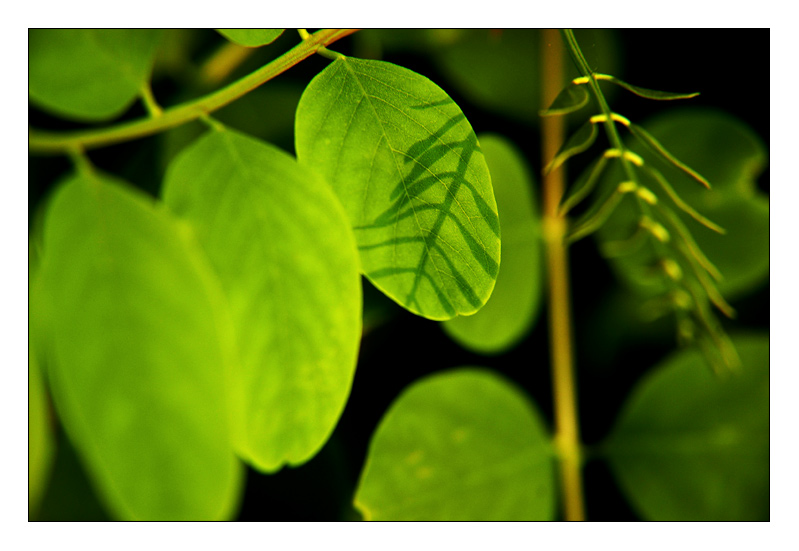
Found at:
<point>730,156</point>
<point>460,445</point>
<point>251,38</point>
<point>173,58</point>
<point>406,164</point>
<point>692,446</point>
<point>41,441</point>
<point>514,304</point>
<point>285,254</point>
<point>141,353</point>
<point>41,445</point>
<point>89,74</point>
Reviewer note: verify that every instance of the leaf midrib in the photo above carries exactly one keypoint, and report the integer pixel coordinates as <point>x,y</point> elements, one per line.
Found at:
<point>404,185</point>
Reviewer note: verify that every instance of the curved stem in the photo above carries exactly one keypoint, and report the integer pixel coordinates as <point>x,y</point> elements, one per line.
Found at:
<point>567,431</point>
<point>63,142</point>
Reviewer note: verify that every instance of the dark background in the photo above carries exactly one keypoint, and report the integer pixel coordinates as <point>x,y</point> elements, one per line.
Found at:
<point>730,68</point>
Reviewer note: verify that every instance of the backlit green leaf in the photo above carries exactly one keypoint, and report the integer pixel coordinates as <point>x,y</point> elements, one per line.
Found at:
<point>284,251</point>
<point>514,304</point>
<point>726,152</point>
<point>459,445</point>
<point>689,445</point>
<point>252,38</point>
<point>405,163</point>
<point>142,349</point>
<point>89,74</point>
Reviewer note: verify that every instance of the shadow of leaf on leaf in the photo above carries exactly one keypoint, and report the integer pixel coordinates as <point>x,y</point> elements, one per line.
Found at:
<point>415,194</point>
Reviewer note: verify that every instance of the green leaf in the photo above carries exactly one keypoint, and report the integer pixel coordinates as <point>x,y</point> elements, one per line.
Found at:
<point>251,38</point>
<point>576,144</point>
<point>406,164</point>
<point>142,350</point>
<point>646,92</point>
<point>729,154</point>
<point>89,74</point>
<point>41,440</point>
<point>692,446</point>
<point>460,445</point>
<point>41,444</point>
<point>514,304</point>
<point>571,99</point>
<point>285,254</point>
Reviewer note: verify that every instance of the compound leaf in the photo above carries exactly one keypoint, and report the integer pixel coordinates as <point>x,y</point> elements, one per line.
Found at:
<point>141,350</point>
<point>691,446</point>
<point>89,74</point>
<point>514,304</point>
<point>406,164</point>
<point>731,156</point>
<point>251,38</point>
<point>285,254</point>
<point>460,445</point>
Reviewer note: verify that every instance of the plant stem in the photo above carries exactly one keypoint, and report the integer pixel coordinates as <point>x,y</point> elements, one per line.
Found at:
<point>150,104</point>
<point>63,142</point>
<point>567,432</point>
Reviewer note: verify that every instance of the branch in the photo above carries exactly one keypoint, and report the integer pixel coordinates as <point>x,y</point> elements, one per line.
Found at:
<point>54,143</point>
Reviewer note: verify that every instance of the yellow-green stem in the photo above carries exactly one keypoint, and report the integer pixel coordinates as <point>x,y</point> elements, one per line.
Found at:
<point>567,431</point>
<point>63,142</point>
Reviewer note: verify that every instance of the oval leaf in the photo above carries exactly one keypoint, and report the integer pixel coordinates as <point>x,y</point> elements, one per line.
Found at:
<point>406,164</point>
<point>691,446</point>
<point>514,304</point>
<point>89,74</point>
<point>251,38</point>
<point>141,347</point>
<point>460,445</point>
<point>287,259</point>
